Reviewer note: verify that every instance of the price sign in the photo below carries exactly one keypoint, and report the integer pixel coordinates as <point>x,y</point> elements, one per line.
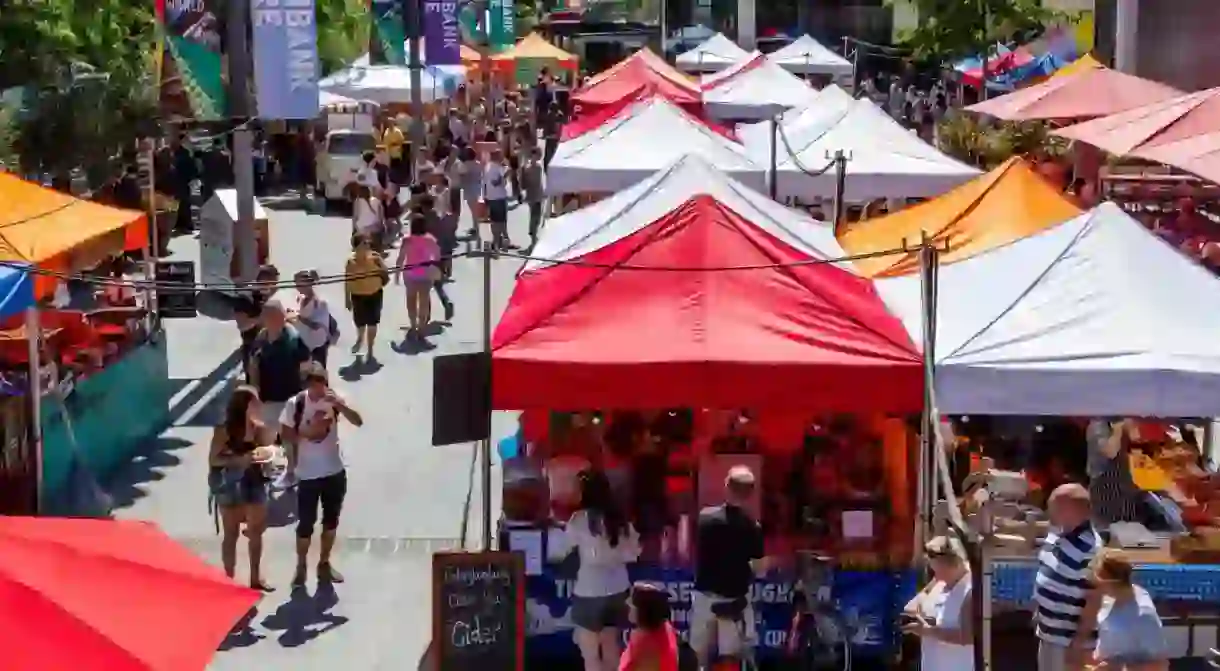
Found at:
<point>478,611</point>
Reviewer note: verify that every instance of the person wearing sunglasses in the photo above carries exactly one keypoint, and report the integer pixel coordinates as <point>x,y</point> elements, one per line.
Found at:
<point>941,615</point>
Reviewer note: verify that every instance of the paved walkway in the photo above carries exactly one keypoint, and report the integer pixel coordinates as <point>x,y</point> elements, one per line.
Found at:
<point>405,497</point>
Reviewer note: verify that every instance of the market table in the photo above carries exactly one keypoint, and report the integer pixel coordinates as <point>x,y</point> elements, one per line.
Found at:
<point>1013,582</point>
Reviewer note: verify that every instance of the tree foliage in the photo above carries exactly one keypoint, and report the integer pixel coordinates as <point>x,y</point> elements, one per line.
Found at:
<point>343,31</point>
<point>952,29</point>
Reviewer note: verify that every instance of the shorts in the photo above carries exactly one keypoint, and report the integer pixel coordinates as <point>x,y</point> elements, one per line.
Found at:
<point>594,613</point>
<point>366,310</point>
<point>326,493</point>
<point>230,488</point>
<point>1052,657</point>
<point>497,211</point>
<point>726,641</point>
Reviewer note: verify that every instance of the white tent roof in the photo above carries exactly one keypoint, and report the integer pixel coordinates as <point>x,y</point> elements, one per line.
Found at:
<point>717,53</point>
<point>745,61</point>
<point>604,222</point>
<point>829,103</point>
<point>1094,317</point>
<point>645,137</point>
<point>808,56</point>
<point>759,92</point>
<point>885,160</point>
<point>384,84</point>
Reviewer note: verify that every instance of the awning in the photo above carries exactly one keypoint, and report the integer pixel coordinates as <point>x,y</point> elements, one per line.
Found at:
<point>534,47</point>
<point>762,91</point>
<point>1009,203</point>
<point>691,290</point>
<point>642,75</point>
<point>807,56</point>
<point>717,53</point>
<point>1088,94</point>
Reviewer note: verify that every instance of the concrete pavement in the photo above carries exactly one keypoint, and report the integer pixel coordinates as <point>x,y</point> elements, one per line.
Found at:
<point>405,498</point>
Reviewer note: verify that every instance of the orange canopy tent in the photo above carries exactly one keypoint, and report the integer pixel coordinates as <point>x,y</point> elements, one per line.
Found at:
<point>1009,203</point>
<point>56,231</point>
<point>534,48</point>
<point>1089,93</point>
<point>1183,132</point>
<point>1085,62</point>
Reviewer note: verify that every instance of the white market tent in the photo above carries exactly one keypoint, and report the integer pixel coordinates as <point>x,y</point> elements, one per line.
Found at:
<point>829,103</point>
<point>807,56</point>
<point>448,70</point>
<point>761,90</point>
<point>717,53</point>
<point>594,227</point>
<point>885,160</point>
<point>1095,317</point>
<point>643,138</point>
<point>388,84</point>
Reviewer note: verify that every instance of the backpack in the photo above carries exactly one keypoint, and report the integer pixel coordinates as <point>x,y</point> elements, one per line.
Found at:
<point>298,411</point>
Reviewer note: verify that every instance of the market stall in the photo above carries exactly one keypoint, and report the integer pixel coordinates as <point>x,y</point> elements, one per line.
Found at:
<point>526,59</point>
<point>18,460</point>
<point>390,84</point>
<point>1085,94</point>
<point>828,103</point>
<point>716,53</point>
<point>588,122</point>
<point>761,90</point>
<point>885,160</point>
<point>108,374</point>
<point>807,56</point>
<point>653,133</point>
<point>641,75</point>
<point>719,363</point>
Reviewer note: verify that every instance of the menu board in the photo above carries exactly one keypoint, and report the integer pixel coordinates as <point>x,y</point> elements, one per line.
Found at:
<point>176,302</point>
<point>478,611</point>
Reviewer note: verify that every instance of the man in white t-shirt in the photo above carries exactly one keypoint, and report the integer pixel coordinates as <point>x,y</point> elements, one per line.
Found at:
<point>312,317</point>
<point>495,194</point>
<point>310,426</point>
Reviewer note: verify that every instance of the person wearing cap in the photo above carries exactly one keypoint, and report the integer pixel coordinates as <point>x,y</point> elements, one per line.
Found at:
<point>312,317</point>
<point>278,353</point>
<point>309,423</point>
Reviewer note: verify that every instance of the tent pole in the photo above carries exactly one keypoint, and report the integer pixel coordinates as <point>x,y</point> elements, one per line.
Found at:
<point>33,337</point>
<point>486,465</point>
<point>153,251</point>
<point>773,169</point>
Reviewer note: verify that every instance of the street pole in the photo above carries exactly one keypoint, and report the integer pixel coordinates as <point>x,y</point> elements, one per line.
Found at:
<point>414,13</point>
<point>486,470</point>
<point>241,113</point>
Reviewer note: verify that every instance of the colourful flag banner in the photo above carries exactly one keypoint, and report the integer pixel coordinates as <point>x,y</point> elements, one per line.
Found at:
<point>190,67</point>
<point>387,39</point>
<point>502,32</point>
<point>442,33</point>
<point>285,45</point>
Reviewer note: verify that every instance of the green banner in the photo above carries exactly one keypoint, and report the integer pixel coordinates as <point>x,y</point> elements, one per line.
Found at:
<point>503,33</point>
<point>387,39</point>
<point>190,64</point>
<point>468,23</point>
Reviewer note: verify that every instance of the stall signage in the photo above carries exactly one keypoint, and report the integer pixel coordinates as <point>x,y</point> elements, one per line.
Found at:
<point>477,610</point>
<point>866,601</point>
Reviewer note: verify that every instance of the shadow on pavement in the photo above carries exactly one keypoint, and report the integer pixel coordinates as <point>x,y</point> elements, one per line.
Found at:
<point>359,368</point>
<point>303,617</point>
<point>412,346</point>
<point>127,485</point>
<point>282,508</point>
<point>242,635</point>
<point>206,384</point>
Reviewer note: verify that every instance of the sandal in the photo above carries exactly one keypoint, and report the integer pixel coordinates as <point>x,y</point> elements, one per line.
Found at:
<point>326,573</point>
<point>261,586</point>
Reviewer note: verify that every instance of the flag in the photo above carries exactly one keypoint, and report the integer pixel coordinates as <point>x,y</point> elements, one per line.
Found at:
<point>285,45</point>
<point>190,67</point>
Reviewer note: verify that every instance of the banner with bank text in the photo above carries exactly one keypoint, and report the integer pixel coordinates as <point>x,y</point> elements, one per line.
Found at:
<point>442,34</point>
<point>502,29</point>
<point>190,62</point>
<point>285,46</point>
<point>388,38</point>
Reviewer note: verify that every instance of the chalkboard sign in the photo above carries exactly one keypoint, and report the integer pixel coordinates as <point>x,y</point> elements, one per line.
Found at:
<point>176,303</point>
<point>478,611</point>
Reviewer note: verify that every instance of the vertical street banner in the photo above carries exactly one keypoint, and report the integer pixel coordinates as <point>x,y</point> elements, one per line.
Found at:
<point>502,31</point>
<point>285,46</point>
<point>387,43</point>
<point>190,61</point>
<point>442,33</point>
<point>470,22</point>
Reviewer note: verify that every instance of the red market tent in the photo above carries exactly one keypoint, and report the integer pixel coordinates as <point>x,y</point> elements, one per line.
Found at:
<point>588,122</point>
<point>692,290</point>
<point>635,78</point>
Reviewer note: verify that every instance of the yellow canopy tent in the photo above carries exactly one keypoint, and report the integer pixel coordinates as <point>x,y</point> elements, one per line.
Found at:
<point>530,55</point>
<point>1004,205</point>
<point>56,231</point>
<point>1085,62</point>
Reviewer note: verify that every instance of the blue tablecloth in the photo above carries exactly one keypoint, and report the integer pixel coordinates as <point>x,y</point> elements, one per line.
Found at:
<point>868,600</point>
<point>1013,582</point>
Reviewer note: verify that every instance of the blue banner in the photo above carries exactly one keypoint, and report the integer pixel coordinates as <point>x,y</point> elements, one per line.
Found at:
<point>285,58</point>
<point>868,601</point>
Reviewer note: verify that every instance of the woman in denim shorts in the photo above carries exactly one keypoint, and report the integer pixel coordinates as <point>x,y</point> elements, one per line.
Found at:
<point>237,483</point>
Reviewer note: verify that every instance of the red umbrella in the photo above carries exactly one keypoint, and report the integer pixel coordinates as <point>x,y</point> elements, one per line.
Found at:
<point>90,595</point>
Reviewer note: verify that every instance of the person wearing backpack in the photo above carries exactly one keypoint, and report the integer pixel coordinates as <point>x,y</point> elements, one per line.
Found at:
<point>276,358</point>
<point>312,318</point>
<point>310,423</point>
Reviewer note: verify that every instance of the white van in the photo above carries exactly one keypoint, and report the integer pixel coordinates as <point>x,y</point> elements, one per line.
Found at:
<point>350,132</point>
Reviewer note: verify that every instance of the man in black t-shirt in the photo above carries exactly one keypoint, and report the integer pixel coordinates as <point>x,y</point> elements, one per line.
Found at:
<point>730,548</point>
<point>277,358</point>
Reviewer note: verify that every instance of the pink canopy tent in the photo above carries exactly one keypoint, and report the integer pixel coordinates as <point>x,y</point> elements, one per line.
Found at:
<point>1183,132</point>
<point>1084,95</point>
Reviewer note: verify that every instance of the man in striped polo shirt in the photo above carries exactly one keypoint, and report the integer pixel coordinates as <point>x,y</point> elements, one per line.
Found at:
<point>1065,607</point>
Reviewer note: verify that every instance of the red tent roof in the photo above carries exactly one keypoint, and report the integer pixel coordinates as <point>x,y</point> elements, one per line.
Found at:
<point>589,333</point>
<point>608,113</point>
<point>632,80</point>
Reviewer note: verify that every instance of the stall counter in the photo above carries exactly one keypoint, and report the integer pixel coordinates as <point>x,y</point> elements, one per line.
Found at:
<point>1012,582</point>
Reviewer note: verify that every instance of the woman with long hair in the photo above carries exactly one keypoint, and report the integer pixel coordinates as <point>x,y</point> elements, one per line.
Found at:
<point>419,257</point>
<point>606,542</point>
<point>237,482</point>
<point>368,215</point>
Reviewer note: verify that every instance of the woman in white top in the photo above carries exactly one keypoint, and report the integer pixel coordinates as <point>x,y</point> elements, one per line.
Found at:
<point>606,541</point>
<point>367,215</point>
<point>941,615</point>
